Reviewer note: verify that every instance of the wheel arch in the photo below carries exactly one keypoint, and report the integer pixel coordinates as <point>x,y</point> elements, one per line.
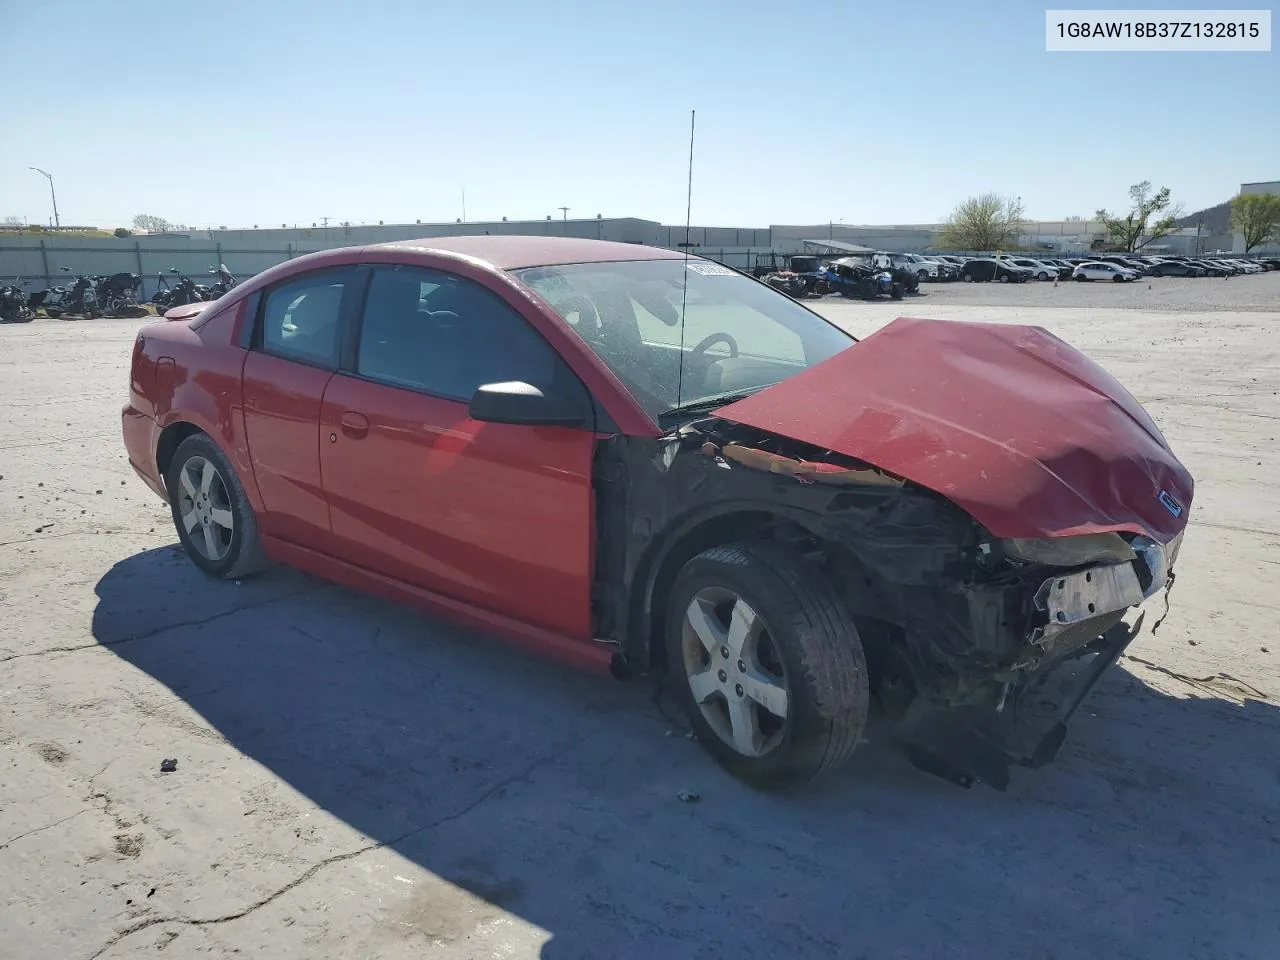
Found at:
<point>170,439</point>
<point>696,531</point>
<point>179,428</point>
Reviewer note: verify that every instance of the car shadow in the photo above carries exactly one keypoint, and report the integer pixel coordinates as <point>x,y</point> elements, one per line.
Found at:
<point>554,795</point>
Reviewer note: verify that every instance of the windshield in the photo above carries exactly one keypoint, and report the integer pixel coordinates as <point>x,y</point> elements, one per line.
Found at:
<point>739,335</point>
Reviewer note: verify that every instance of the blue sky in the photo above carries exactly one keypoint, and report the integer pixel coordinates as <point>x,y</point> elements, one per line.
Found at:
<point>277,112</point>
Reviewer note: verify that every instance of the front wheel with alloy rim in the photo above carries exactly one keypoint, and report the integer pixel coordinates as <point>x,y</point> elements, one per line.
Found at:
<point>767,663</point>
<point>212,514</point>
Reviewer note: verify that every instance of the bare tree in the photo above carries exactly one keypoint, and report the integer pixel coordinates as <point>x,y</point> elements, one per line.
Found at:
<point>984,222</point>
<point>13,221</point>
<point>151,224</point>
<point>1134,230</point>
<point>1257,216</point>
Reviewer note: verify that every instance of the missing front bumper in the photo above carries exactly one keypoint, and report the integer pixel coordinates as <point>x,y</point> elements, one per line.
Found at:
<point>968,744</point>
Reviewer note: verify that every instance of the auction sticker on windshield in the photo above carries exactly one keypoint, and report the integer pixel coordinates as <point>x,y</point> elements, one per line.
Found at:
<point>712,270</point>
<point>1158,31</point>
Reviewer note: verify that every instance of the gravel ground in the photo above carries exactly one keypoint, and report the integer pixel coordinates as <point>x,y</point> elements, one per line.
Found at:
<point>354,780</point>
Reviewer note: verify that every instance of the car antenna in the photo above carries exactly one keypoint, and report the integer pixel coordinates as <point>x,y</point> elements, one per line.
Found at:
<point>684,286</point>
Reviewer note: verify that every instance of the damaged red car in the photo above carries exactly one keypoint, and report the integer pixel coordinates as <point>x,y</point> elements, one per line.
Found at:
<point>639,460</point>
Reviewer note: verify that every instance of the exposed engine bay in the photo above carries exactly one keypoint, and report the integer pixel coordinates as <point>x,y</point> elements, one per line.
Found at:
<point>961,629</point>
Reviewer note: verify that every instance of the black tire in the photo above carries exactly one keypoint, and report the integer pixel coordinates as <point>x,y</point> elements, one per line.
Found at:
<point>1004,278</point>
<point>244,556</point>
<point>895,292</point>
<point>815,642</point>
<point>1081,278</point>
<point>1119,278</point>
<point>967,277</point>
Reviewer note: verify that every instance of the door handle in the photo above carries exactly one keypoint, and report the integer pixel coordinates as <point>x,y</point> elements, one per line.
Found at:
<point>355,425</point>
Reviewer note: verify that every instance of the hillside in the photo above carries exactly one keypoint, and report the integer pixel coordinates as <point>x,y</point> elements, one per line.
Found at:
<point>1216,219</point>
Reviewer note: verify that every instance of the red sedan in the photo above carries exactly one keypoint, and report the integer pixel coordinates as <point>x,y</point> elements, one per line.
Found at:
<point>630,458</point>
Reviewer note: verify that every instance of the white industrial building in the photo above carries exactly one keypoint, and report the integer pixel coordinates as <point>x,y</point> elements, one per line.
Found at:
<point>40,256</point>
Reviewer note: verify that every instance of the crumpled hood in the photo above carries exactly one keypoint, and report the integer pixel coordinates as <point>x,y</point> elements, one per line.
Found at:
<point>1027,434</point>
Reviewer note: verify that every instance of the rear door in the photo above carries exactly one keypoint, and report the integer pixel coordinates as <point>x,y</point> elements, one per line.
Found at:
<point>495,515</point>
<point>293,352</point>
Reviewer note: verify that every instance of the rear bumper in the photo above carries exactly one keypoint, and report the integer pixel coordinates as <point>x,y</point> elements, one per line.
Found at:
<point>141,434</point>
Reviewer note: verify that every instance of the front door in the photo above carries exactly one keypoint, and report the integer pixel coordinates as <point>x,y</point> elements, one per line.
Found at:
<point>293,354</point>
<point>495,515</point>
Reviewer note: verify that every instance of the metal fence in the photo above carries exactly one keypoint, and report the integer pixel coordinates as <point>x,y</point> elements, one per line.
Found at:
<point>41,262</point>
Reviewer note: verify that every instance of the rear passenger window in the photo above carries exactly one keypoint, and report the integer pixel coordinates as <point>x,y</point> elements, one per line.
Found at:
<point>446,335</point>
<point>300,319</point>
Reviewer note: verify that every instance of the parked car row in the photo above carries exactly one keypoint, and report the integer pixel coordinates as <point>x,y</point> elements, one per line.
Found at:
<point>1007,268</point>
<point>1131,266</point>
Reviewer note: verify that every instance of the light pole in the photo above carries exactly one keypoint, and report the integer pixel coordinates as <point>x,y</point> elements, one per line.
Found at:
<point>49,176</point>
<point>564,219</point>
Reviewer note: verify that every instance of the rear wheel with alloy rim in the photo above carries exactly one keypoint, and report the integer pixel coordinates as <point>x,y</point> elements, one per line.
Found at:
<point>211,512</point>
<point>767,662</point>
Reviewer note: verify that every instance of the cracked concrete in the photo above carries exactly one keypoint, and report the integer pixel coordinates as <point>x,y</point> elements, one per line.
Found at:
<point>355,780</point>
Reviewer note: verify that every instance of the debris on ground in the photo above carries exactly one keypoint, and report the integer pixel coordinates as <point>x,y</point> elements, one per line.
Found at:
<point>169,765</point>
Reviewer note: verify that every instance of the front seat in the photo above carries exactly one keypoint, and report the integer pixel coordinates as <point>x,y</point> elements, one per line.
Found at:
<point>316,320</point>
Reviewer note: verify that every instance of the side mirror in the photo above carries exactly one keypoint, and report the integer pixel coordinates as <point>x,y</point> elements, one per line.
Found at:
<point>65,269</point>
<point>518,402</point>
<point>173,269</point>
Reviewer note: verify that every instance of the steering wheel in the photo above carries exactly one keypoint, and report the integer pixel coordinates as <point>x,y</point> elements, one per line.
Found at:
<point>588,316</point>
<point>713,338</point>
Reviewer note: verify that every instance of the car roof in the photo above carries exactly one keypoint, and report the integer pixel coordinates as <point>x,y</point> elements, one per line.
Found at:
<point>513,252</point>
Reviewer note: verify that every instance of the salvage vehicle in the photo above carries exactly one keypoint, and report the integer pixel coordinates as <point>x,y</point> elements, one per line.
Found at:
<point>802,275</point>
<point>862,278</point>
<point>642,461</point>
<point>983,269</point>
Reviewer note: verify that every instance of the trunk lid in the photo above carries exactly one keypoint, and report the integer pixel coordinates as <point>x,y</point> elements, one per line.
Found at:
<point>1017,427</point>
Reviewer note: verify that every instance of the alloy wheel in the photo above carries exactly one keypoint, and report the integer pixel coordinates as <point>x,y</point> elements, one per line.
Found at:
<point>735,671</point>
<point>205,508</point>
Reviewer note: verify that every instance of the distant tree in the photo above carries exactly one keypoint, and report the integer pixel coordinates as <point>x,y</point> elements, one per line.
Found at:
<point>123,232</point>
<point>13,221</point>
<point>151,224</point>
<point>984,222</point>
<point>1135,230</point>
<point>1257,216</point>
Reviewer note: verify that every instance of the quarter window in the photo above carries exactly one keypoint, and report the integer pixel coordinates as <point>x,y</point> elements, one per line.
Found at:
<point>301,318</point>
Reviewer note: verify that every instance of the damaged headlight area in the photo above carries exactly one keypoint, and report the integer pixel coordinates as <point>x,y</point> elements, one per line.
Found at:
<point>1071,551</point>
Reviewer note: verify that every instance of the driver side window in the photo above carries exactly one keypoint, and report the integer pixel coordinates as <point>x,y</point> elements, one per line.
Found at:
<point>445,335</point>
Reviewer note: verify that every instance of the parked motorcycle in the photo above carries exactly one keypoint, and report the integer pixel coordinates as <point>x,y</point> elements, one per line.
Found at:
<point>118,293</point>
<point>224,283</point>
<point>13,302</point>
<point>184,291</point>
<point>78,299</point>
